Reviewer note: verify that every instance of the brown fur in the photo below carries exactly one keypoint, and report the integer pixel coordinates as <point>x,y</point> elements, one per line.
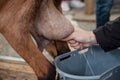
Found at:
<point>19,19</point>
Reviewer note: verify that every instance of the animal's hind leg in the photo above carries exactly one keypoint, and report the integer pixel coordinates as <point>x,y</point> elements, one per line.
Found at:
<point>58,4</point>
<point>54,48</point>
<point>23,44</point>
<point>62,47</point>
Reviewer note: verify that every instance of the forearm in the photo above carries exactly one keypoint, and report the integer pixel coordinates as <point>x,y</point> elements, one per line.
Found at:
<point>108,36</point>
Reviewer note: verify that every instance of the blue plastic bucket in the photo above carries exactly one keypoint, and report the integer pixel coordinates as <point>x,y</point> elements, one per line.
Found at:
<point>95,64</point>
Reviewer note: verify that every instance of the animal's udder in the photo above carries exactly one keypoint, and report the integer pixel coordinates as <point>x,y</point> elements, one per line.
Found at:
<point>53,25</point>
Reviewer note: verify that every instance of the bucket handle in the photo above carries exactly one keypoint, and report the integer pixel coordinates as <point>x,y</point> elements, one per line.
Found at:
<point>64,58</point>
<point>67,55</point>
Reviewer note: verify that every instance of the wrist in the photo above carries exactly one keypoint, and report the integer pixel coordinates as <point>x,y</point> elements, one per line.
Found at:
<point>92,38</point>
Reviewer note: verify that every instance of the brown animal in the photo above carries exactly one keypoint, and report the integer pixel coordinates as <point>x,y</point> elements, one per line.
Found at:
<point>19,19</point>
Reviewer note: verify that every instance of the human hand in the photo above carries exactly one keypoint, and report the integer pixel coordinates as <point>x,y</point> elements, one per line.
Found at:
<point>81,39</point>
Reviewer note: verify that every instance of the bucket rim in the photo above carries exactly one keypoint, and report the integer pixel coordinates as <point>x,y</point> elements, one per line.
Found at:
<point>85,77</point>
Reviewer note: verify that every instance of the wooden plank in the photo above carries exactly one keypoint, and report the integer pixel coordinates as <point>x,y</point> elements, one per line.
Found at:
<point>16,67</point>
<point>16,75</point>
<point>89,7</point>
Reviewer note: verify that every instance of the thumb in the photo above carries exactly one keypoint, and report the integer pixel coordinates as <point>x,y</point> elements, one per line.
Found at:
<point>68,38</point>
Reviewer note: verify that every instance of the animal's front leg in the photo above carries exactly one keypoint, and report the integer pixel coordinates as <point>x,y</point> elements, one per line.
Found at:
<point>21,41</point>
